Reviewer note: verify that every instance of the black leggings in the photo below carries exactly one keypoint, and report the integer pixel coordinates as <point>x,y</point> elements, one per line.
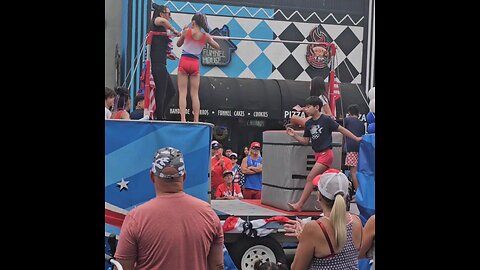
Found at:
<point>164,89</point>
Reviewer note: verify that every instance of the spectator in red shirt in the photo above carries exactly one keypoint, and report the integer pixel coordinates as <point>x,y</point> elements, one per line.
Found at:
<point>228,190</point>
<point>219,164</point>
<point>155,236</point>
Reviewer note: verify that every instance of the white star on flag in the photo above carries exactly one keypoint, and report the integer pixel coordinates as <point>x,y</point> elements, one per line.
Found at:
<point>123,184</point>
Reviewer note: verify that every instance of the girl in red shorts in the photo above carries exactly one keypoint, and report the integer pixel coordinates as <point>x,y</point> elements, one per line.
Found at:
<point>193,41</point>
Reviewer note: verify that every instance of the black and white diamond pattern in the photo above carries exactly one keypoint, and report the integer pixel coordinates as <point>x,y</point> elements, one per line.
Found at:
<point>290,69</point>
<point>291,33</point>
<point>348,39</point>
<point>347,72</point>
<point>313,72</point>
<point>282,60</point>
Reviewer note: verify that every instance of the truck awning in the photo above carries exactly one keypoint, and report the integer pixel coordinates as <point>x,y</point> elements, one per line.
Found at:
<point>259,99</point>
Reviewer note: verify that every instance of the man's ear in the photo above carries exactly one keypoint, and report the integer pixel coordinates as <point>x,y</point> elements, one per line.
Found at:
<point>152,177</point>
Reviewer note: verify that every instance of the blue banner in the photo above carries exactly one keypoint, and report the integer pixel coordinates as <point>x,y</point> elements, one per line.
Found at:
<point>365,195</point>
<point>129,150</point>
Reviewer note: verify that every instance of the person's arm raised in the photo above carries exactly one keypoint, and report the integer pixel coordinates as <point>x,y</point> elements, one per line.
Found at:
<point>159,21</point>
<point>212,42</point>
<point>182,37</point>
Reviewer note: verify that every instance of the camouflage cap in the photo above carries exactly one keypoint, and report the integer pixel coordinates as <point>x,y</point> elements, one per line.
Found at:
<point>168,157</point>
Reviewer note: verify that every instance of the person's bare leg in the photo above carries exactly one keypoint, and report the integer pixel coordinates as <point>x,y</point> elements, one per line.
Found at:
<point>353,172</point>
<point>194,88</point>
<point>316,170</point>
<point>182,79</point>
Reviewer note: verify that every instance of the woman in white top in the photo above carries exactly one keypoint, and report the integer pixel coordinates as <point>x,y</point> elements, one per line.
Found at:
<point>193,40</point>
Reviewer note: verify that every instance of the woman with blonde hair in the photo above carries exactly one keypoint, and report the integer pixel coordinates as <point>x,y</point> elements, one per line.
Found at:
<point>333,241</point>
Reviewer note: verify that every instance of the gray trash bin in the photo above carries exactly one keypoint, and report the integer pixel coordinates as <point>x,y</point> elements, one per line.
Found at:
<point>286,164</point>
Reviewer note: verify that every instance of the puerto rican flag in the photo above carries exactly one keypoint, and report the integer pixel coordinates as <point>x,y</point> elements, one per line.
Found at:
<point>149,102</point>
<point>333,91</point>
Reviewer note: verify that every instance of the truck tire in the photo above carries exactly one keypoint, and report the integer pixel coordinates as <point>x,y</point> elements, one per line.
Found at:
<point>248,250</point>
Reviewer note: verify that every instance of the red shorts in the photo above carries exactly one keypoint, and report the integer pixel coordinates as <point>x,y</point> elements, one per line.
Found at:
<point>189,65</point>
<point>252,193</point>
<point>351,159</point>
<point>325,157</point>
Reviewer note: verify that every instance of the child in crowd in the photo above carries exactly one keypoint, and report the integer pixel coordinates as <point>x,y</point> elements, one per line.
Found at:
<point>138,104</point>
<point>228,190</point>
<point>237,172</point>
<point>353,124</point>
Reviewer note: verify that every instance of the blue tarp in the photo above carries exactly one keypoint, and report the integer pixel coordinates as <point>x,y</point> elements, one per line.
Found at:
<point>365,195</point>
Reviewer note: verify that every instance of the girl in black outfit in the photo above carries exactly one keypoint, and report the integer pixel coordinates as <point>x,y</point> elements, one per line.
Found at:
<point>164,89</point>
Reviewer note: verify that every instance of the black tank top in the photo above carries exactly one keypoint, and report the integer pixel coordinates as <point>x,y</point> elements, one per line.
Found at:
<point>158,52</point>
